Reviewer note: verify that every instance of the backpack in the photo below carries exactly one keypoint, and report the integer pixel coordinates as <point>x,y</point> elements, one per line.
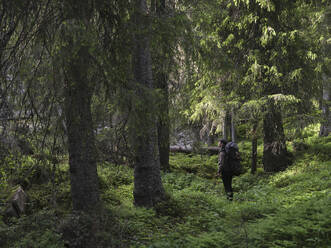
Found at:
<point>232,158</point>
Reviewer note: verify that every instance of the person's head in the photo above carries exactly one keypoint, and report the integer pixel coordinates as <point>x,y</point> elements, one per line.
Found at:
<point>222,143</point>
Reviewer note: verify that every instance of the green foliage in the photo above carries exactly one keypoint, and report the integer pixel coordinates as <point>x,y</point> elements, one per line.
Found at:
<point>201,165</point>
<point>304,224</point>
<point>37,230</point>
<point>115,175</point>
<point>116,182</point>
<point>286,209</point>
<point>221,55</point>
<point>249,50</point>
<point>321,148</point>
<point>26,170</point>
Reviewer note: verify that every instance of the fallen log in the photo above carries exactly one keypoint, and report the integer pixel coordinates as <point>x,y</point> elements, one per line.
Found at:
<point>211,150</point>
<point>182,149</point>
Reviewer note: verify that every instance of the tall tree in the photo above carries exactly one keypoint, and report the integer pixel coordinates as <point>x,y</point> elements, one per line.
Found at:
<point>76,43</point>
<point>148,188</point>
<point>161,62</point>
<point>255,50</point>
<point>325,129</point>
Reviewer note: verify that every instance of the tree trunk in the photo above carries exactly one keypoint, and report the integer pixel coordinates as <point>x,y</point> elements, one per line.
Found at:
<point>161,82</point>
<point>148,188</point>
<point>164,122</point>
<point>326,77</point>
<point>254,148</point>
<point>233,127</point>
<point>325,129</point>
<point>211,134</point>
<point>226,126</point>
<point>275,155</point>
<point>81,140</point>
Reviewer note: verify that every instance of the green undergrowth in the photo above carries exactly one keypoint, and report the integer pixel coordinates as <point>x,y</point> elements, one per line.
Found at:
<point>286,209</point>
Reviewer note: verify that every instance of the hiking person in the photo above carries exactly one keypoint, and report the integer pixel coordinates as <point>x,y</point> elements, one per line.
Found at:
<point>224,170</point>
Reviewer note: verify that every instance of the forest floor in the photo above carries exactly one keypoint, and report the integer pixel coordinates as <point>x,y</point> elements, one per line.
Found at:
<point>286,209</point>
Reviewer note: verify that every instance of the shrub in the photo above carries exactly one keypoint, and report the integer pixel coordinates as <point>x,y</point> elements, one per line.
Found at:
<point>37,230</point>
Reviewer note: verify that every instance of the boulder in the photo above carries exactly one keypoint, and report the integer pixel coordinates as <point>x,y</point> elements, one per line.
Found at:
<point>16,204</point>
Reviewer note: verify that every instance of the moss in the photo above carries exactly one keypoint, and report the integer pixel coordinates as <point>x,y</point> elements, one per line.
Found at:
<point>289,208</point>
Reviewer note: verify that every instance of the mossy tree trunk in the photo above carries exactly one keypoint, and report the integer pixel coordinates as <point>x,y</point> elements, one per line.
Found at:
<point>275,155</point>
<point>148,188</point>
<point>81,140</point>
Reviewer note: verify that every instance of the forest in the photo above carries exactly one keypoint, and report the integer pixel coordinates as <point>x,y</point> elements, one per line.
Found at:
<point>111,112</point>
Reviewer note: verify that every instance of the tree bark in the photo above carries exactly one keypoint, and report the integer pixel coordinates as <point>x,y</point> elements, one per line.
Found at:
<point>211,134</point>
<point>275,155</point>
<point>164,123</point>
<point>325,128</point>
<point>233,127</point>
<point>81,140</point>
<point>254,148</point>
<point>161,82</point>
<point>148,188</point>
<point>226,126</point>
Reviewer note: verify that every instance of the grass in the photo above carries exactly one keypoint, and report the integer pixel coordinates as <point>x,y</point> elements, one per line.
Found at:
<point>287,209</point>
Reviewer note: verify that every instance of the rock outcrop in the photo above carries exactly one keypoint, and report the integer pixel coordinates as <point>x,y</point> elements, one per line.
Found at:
<point>16,204</point>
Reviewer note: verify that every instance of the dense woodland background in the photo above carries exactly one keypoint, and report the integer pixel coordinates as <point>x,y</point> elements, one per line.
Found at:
<point>110,111</point>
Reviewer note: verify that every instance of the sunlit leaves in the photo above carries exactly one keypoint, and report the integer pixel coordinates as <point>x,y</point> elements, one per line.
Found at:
<point>228,40</point>
<point>296,74</point>
<point>268,34</point>
<point>264,4</point>
<point>311,55</point>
